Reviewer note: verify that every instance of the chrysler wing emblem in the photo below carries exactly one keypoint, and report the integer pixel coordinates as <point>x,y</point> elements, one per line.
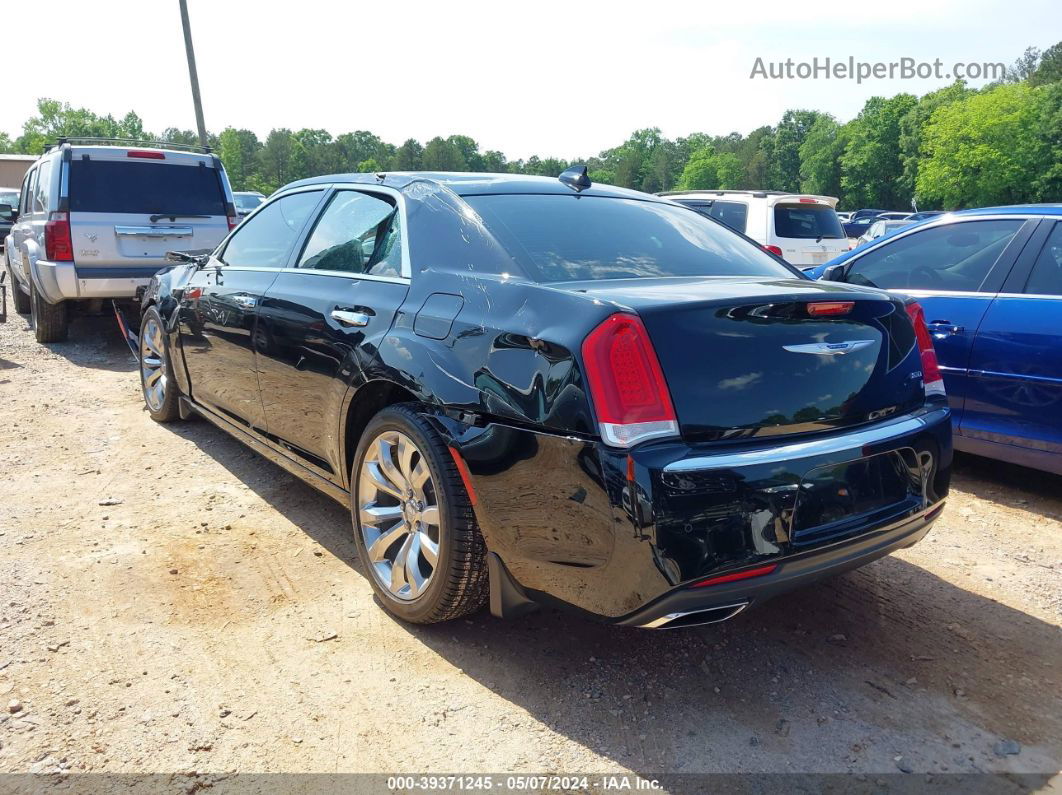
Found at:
<point>830,348</point>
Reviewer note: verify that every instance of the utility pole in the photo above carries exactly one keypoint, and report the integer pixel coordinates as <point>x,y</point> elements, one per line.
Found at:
<point>193,76</point>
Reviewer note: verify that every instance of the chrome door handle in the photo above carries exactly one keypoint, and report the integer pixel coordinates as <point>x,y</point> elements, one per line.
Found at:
<point>943,328</point>
<point>245,301</point>
<point>347,317</point>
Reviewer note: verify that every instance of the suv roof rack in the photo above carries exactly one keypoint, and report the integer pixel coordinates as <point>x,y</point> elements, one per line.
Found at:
<point>78,140</point>
<point>759,194</point>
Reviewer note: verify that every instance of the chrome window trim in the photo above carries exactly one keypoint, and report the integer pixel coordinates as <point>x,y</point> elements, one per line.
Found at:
<point>218,264</point>
<point>1039,296</point>
<point>384,190</point>
<point>917,293</point>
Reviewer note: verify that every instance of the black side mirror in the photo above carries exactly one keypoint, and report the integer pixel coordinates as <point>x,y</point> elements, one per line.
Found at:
<point>834,273</point>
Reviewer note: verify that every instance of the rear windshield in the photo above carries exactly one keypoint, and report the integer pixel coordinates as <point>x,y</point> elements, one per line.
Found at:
<point>558,238</point>
<point>803,221</point>
<point>109,186</point>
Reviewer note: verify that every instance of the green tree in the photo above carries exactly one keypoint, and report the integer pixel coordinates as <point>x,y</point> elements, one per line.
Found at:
<point>275,160</point>
<point>408,156</point>
<point>790,133</point>
<point>820,157</point>
<point>1050,68</point>
<point>730,170</point>
<point>986,149</point>
<point>701,172</point>
<point>443,155</point>
<point>871,164</point>
<point>238,150</point>
<point>912,125</point>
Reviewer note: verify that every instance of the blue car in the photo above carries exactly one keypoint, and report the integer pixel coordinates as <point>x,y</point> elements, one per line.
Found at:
<point>990,281</point>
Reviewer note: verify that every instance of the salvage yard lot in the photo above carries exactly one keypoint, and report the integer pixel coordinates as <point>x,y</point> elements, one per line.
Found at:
<point>171,602</point>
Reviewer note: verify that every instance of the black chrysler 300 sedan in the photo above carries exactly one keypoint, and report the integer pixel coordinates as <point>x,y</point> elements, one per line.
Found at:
<point>535,390</point>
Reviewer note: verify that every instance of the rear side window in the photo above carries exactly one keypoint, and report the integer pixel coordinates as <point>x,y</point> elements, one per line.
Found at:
<point>951,257</point>
<point>807,221</point>
<point>42,188</point>
<point>557,237</point>
<point>144,187</point>
<point>1046,276</point>
<point>357,233</point>
<point>733,214</point>
<point>264,240</point>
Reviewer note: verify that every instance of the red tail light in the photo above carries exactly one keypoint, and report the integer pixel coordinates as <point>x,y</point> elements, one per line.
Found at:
<point>931,378</point>
<point>626,383</point>
<point>58,246</point>
<point>145,154</point>
<point>233,221</point>
<point>773,250</point>
<point>737,575</point>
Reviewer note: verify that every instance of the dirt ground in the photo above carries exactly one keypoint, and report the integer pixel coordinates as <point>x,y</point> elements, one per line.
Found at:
<point>171,602</point>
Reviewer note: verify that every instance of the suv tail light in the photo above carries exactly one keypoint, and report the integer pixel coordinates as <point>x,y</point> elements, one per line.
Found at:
<point>773,249</point>
<point>58,245</point>
<point>626,383</point>
<point>931,377</point>
<point>233,220</point>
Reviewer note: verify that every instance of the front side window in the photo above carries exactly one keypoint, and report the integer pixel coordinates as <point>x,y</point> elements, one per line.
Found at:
<point>1046,276</point>
<point>357,233</point>
<point>952,257</point>
<point>559,238</point>
<point>265,240</point>
<point>807,222</point>
<point>26,197</point>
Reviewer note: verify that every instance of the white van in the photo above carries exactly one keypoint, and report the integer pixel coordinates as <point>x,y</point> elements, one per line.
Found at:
<point>801,228</point>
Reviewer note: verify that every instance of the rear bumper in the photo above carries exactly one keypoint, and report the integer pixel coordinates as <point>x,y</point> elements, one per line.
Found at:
<point>623,537</point>
<point>63,281</point>
<point>688,606</point>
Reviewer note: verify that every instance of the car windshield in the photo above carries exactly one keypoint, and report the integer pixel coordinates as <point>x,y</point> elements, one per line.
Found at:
<point>246,202</point>
<point>558,238</point>
<point>804,221</point>
<point>115,186</point>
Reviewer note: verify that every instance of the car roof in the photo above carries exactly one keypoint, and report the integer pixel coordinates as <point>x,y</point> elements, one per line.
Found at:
<point>473,183</point>
<point>1014,209</point>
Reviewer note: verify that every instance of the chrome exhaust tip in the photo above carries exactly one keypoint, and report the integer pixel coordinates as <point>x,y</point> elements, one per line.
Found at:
<point>696,618</point>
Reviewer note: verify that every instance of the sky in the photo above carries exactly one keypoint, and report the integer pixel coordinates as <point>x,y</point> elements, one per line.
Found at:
<point>564,79</point>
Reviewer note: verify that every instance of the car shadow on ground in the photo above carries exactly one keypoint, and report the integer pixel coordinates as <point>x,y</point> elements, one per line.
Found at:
<point>1009,484</point>
<point>94,341</point>
<point>887,660</point>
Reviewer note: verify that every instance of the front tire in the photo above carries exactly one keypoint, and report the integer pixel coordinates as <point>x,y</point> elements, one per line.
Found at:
<point>416,534</point>
<point>156,372</point>
<point>50,321</point>
<point>20,299</point>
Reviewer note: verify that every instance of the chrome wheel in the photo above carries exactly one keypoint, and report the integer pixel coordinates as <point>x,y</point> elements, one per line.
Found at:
<point>153,364</point>
<point>398,513</point>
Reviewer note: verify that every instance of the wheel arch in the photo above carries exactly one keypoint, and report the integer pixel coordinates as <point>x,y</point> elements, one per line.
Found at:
<point>365,402</point>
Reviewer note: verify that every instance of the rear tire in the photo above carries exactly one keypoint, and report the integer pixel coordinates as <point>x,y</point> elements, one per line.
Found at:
<point>157,383</point>
<point>18,297</point>
<point>50,322</point>
<point>435,511</point>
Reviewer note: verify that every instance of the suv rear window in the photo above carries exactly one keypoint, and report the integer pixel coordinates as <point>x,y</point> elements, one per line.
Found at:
<point>559,238</point>
<point>804,221</point>
<point>110,186</point>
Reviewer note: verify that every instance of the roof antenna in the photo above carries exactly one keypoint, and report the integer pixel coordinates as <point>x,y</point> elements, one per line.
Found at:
<point>576,178</point>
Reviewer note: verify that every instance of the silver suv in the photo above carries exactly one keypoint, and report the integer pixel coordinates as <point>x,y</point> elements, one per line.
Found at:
<point>96,218</point>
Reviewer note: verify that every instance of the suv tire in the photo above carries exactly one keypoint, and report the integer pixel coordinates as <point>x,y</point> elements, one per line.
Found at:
<point>49,321</point>
<point>457,582</point>
<point>18,297</point>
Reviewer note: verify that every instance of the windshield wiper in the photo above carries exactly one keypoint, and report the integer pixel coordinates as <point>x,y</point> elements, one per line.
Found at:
<point>156,217</point>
